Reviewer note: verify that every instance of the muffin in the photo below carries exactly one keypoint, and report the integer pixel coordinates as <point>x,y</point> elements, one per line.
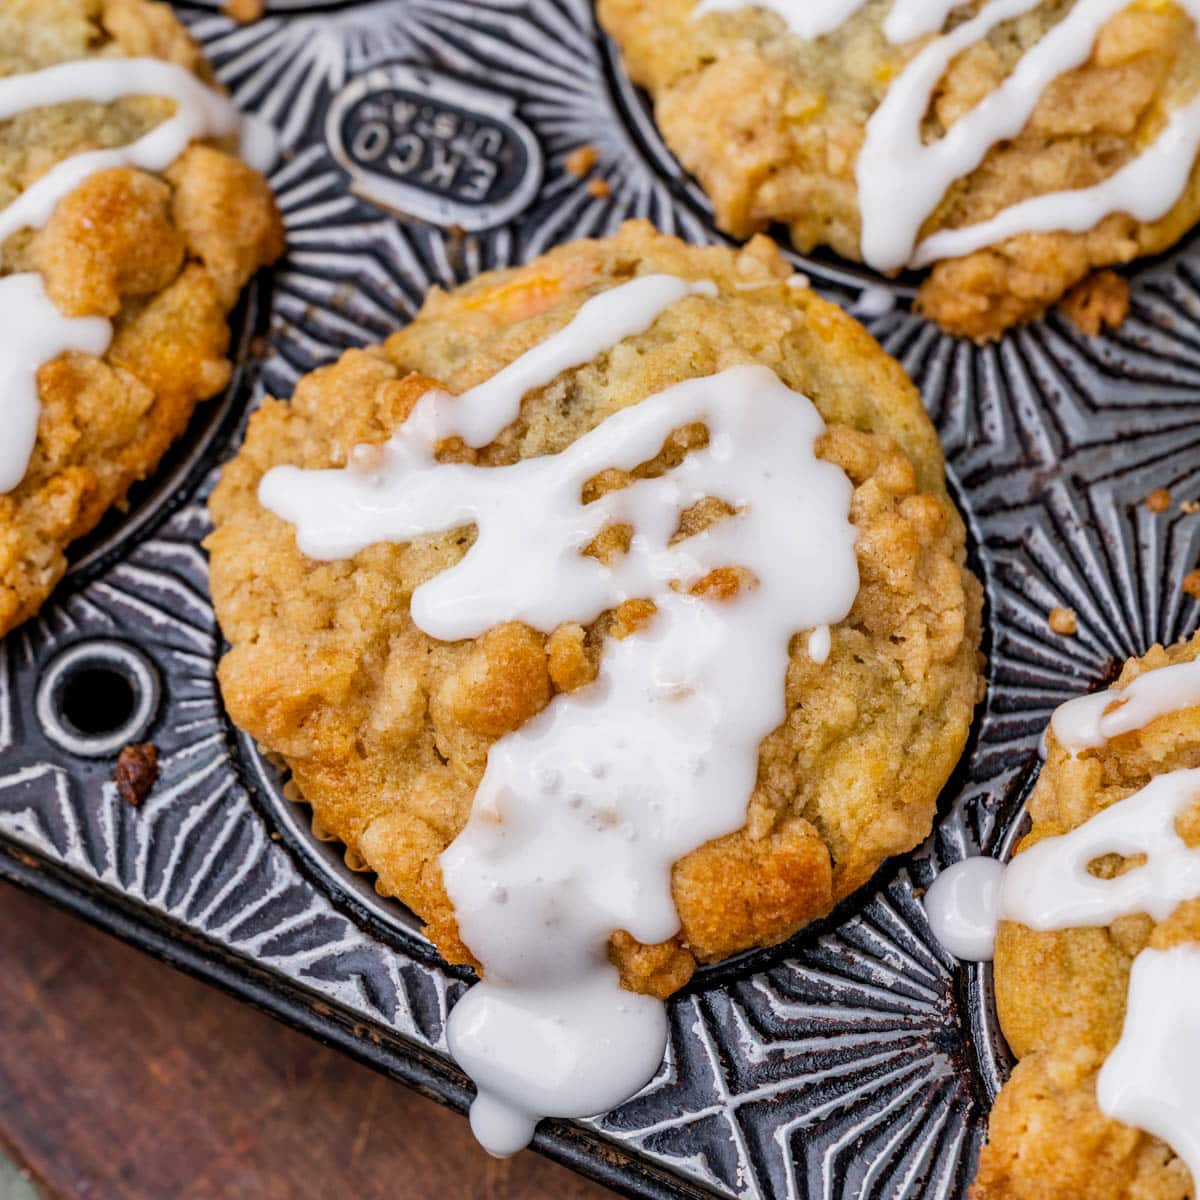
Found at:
<point>839,121</point>
<point>387,731</point>
<point>1063,995</point>
<point>117,288</point>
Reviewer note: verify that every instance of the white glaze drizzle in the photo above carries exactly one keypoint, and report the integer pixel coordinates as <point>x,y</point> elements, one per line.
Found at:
<point>874,301</point>
<point>1049,886</point>
<point>1088,722</point>
<point>478,415</point>
<point>963,904</point>
<point>911,19</point>
<point>820,643</point>
<point>200,112</point>
<point>1146,188</point>
<point>32,330</point>
<point>1076,724</point>
<point>901,179</point>
<point>582,811</point>
<point>1152,1078</point>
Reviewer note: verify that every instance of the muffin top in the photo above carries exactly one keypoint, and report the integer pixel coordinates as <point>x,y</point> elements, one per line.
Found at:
<point>387,730</point>
<point>126,282</point>
<point>1064,995</point>
<point>838,134</point>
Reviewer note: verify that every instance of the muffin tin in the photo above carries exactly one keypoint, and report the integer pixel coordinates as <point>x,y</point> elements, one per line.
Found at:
<point>424,141</point>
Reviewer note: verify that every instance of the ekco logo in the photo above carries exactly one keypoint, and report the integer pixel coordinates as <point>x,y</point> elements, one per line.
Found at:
<point>435,148</point>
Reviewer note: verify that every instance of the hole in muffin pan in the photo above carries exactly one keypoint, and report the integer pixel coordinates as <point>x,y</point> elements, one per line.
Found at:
<point>96,697</point>
<point>95,700</point>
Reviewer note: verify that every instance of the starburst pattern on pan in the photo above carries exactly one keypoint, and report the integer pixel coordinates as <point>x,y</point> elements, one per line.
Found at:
<point>837,1072</point>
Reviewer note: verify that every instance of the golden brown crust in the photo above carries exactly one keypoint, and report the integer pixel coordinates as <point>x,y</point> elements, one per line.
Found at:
<point>164,259</point>
<point>1062,995</point>
<point>772,125</point>
<point>387,730</point>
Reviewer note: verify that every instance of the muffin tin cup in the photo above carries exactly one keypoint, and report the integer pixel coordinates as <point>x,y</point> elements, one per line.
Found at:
<point>424,141</point>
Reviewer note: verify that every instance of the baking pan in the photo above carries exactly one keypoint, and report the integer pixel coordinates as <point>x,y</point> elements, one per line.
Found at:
<point>424,141</point>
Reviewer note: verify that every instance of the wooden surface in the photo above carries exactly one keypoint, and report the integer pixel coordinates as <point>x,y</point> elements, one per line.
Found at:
<point>121,1077</point>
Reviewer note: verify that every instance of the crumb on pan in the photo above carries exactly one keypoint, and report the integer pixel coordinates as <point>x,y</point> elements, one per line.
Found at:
<point>244,11</point>
<point>1064,621</point>
<point>1100,300</point>
<point>599,188</point>
<point>1159,500</point>
<point>581,160</point>
<point>1189,506</point>
<point>136,772</point>
<point>1191,584</point>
